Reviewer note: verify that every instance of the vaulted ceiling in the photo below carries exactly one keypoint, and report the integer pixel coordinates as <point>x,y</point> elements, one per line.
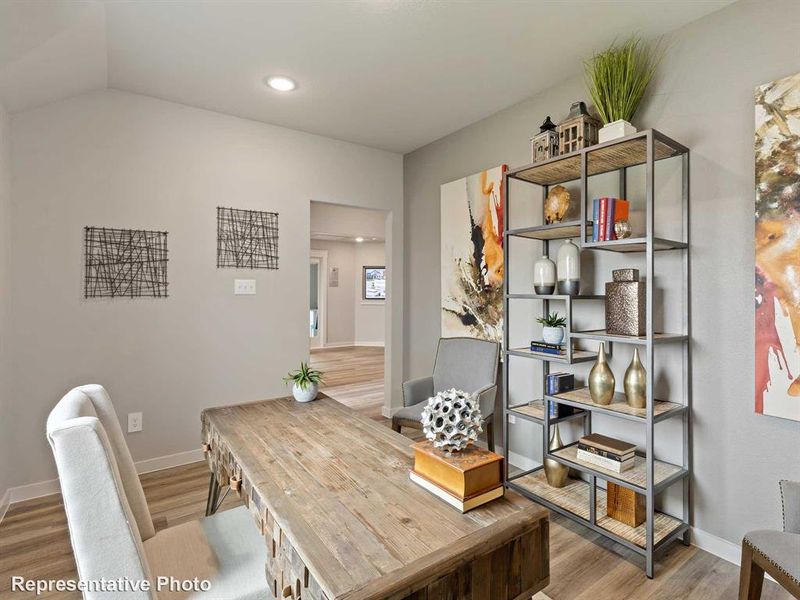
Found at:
<point>391,74</point>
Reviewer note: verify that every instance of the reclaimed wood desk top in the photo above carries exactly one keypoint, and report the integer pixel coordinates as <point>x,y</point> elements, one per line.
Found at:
<point>337,485</point>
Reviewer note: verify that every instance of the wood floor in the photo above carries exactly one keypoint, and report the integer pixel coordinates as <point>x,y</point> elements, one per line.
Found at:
<point>34,541</point>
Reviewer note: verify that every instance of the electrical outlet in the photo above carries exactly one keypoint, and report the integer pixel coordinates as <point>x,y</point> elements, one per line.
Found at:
<point>512,420</point>
<point>244,287</point>
<point>134,422</point>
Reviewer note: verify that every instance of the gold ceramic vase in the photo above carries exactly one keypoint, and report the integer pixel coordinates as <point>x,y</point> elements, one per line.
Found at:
<point>601,379</point>
<point>555,472</point>
<point>635,382</point>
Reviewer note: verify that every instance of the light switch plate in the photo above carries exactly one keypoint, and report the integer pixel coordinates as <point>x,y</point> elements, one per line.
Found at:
<point>244,287</point>
<point>134,422</point>
<point>512,420</point>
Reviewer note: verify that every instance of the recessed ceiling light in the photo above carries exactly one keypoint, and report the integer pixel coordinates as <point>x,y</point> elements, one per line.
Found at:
<point>281,83</point>
<point>359,239</point>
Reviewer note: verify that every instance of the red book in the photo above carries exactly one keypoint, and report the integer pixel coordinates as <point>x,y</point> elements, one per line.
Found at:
<point>603,215</point>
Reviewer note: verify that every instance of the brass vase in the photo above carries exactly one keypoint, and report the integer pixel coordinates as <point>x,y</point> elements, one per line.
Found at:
<point>601,379</point>
<point>635,382</point>
<point>555,472</point>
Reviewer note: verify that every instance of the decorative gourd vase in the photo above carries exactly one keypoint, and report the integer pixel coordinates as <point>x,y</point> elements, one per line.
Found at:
<point>544,276</point>
<point>569,269</point>
<point>601,379</point>
<point>305,394</point>
<point>635,382</point>
<point>555,472</point>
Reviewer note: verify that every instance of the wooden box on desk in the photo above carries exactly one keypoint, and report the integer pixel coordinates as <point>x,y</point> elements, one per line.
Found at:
<point>464,474</point>
<point>625,505</point>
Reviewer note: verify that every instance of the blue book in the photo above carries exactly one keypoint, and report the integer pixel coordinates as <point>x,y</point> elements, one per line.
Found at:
<point>596,219</point>
<point>542,350</point>
<point>610,211</point>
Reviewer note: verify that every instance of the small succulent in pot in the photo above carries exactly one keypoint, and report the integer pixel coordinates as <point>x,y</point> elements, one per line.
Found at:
<point>305,382</point>
<point>452,420</point>
<point>553,328</point>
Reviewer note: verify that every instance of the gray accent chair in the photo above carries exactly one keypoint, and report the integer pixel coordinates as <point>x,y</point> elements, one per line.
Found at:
<point>466,364</point>
<point>110,525</point>
<point>776,552</point>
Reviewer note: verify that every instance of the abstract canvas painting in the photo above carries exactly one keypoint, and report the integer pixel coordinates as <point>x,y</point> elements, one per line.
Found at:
<point>777,242</point>
<point>472,256</point>
<point>124,263</point>
<point>247,239</point>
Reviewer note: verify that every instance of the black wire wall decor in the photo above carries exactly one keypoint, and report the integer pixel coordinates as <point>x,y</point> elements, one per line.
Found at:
<point>247,239</point>
<point>128,263</point>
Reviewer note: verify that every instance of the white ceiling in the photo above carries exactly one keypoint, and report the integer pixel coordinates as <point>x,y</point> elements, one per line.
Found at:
<point>391,74</point>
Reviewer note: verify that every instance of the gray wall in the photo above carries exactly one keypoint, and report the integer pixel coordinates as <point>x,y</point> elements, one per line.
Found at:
<point>5,286</point>
<point>122,160</point>
<point>703,98</point>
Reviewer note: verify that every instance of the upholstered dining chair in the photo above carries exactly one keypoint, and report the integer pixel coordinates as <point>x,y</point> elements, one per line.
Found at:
<point>466,364</point>
<point>110,526</point>
<point>776,552</point>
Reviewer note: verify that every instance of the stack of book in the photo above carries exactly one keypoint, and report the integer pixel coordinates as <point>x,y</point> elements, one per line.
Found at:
<point>544,347</point>
<point>605,212</point>
<point>608,453</point>
<point>465,480</point>
<point>555,383</point>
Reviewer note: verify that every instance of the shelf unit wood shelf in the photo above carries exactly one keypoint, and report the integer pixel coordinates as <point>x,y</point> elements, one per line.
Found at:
<point>573,500</point>
<point>583,499</point>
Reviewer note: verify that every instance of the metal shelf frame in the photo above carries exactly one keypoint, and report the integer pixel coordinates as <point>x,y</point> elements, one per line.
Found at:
<point>646,147</point>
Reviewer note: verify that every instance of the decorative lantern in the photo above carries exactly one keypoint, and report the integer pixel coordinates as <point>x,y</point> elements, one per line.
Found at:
<point>544,144</point>
<point>578,130</point>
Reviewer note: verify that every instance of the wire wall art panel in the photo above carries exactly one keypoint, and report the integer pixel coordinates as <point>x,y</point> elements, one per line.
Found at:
<point>247,239</point>
<point>125,263</point>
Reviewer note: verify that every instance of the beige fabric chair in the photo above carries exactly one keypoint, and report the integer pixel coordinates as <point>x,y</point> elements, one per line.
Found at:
<point>110,526</point>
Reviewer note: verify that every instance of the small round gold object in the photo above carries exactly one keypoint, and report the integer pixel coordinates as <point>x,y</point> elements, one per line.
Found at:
<point>622,229</point>
<point>556,205</point>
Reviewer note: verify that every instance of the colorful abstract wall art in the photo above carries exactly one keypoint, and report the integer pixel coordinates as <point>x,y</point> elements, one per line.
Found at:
<point>777,241</point>
<point>472,256</point>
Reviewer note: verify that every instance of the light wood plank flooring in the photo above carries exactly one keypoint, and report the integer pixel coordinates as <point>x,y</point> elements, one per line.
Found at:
<point>34,541</point>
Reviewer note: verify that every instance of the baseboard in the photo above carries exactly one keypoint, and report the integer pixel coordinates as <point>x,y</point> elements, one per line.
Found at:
<point>518,460</point>
<point>370,344</point>
<point>49,487</point>
<point>388,411</point>
<point>5,502</point>
<point>719,547</point>
<point>336,345</point>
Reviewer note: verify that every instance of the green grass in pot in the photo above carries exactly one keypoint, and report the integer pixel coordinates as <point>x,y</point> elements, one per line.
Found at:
<point>552,320</point>
<point>304,377</point>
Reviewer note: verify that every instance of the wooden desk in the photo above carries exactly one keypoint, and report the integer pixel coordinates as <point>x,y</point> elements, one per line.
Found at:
<point>330,492</point>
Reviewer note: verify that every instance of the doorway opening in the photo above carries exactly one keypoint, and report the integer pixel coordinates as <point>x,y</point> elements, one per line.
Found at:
<point>347,303</point>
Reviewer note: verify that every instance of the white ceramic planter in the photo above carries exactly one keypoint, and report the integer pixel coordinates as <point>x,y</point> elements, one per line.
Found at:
<point>553,335</point>
<point>614,130</point>
<point>304,395</point>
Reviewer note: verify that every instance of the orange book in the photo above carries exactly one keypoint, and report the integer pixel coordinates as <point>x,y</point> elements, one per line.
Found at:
<point>466,474</point>
<point>621,210</point>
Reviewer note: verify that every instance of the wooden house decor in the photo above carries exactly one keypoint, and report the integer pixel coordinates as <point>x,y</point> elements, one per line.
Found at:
<point>578,130</point>
<point>544,144</point>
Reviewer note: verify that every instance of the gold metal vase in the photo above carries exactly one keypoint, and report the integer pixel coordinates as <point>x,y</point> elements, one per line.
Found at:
<point>555,472</point>
<point>635,382</point>
<point>601,379</point>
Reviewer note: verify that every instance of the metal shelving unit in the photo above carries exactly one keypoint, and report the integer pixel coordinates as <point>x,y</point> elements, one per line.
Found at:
<point>582,499</point>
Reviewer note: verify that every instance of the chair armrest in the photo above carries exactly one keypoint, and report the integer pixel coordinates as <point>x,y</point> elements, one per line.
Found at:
<point>486,398</point>
<point>417,390</point>
<point>790,503</point>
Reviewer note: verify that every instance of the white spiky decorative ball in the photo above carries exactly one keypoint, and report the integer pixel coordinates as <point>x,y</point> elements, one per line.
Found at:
<point>452,420</point>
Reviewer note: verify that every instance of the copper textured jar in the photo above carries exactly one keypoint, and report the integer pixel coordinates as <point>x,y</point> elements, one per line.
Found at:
<point>601,379</point>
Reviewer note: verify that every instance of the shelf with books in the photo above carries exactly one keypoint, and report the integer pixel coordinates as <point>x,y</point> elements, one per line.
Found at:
<point>601,335</point>
<point>556,231</point>
<point>573,500</point>
<point>534,411</point>
<point>634,478</point>
<point>580,398</point>
<point>578,356</point>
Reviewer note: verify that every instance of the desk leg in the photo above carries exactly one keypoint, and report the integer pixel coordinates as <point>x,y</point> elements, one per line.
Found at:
<point>213,495</point>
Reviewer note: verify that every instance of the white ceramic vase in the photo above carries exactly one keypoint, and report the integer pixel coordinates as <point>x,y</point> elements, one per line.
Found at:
<point>544,276</point>
<point>304,395</point>
<point>553,335</point>
<point>569,269</point>
<point>614,130</point>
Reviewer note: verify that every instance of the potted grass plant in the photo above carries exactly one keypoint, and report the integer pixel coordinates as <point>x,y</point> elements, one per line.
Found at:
<point>617,79</point>
<point>305,382</point>
<point>552,328</point>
